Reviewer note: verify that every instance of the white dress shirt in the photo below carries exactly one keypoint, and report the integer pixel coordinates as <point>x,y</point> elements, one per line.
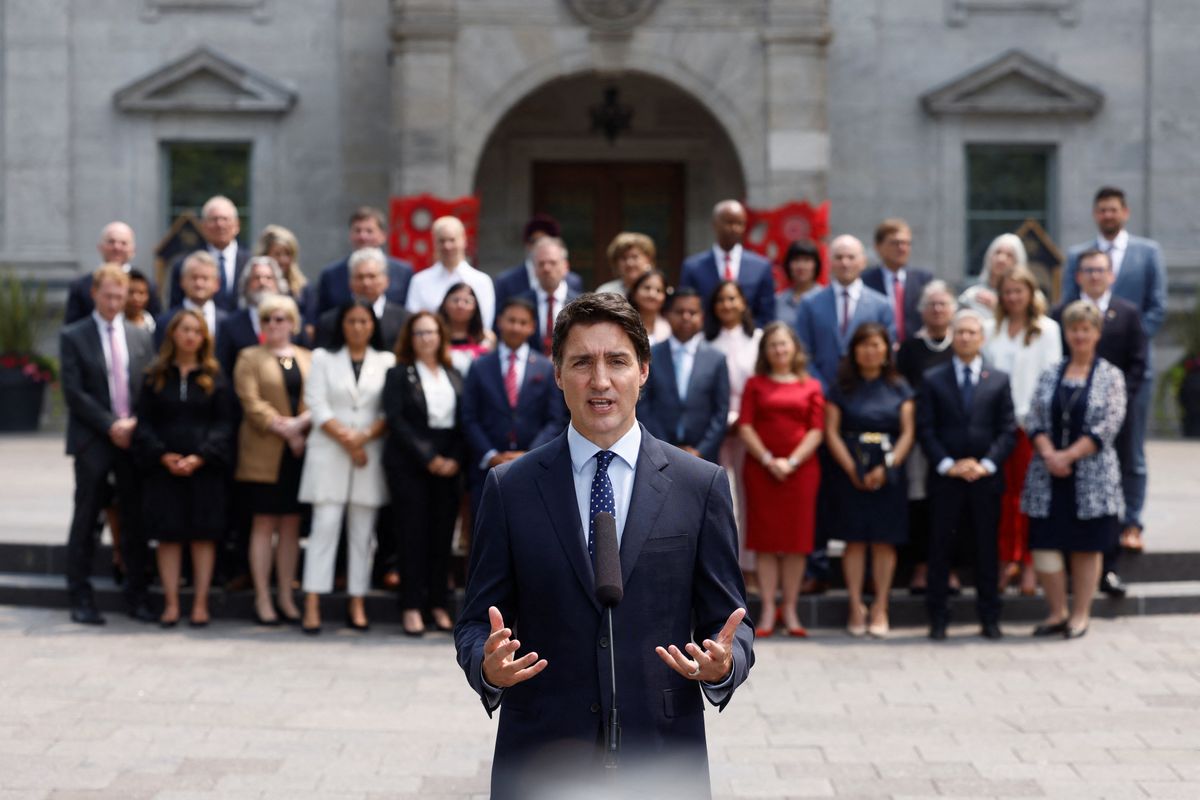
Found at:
<point>855,291</point>
<point>560,299</point>
<point>118,326</point>
<point>208,311</point>
<point>1115,249</point>
<point>683,356</point>
<point>976,367</point>
<point>428,289</point>
<point>621,472</point>
<point>1100,302</point>
<point>735,261</point>
<point>380,304</point>
<point>440,400</point>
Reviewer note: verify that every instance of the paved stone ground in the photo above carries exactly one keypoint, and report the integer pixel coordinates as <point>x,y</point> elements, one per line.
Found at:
<point>236,712</point>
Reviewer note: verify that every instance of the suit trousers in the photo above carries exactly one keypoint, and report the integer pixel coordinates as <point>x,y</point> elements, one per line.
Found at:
<point>322,548</point>
<point>1133,455</point>
<point>959,507</point>
<point>424,528</point>
<point>92,468</point>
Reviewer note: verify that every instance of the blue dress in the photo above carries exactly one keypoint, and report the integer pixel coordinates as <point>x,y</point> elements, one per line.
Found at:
<point>882,515</point>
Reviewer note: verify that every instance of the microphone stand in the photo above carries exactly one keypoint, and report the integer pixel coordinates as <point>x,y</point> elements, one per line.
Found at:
<point>612,752</point>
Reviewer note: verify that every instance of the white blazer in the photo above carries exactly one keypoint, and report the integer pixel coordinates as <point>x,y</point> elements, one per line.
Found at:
<point>331,393</point>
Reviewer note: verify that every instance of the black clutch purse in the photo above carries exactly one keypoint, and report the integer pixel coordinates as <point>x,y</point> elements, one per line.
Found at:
<point>870,451</point>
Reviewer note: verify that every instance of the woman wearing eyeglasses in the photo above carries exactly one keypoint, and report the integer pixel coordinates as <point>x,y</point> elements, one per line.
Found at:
<point>269,379</point>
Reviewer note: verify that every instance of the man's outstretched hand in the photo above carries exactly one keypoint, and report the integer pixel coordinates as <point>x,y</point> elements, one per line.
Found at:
<point>499,667</point>
<point>711,664</point>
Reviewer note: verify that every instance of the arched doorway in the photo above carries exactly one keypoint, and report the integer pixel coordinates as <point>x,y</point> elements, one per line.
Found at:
<point>658,174</point>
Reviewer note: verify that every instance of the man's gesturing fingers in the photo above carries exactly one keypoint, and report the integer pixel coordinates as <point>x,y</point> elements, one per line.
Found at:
<point>731,625</point>
<point>499,667</point>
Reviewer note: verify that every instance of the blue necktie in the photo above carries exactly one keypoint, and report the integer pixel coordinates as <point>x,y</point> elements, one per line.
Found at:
<point>221,282</point>
<point>967,387</point>
<point>601,497</point>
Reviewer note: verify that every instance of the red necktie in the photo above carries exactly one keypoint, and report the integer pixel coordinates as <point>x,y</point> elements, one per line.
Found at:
<point>548,339</point>
<point>728,265</point>
<point>845,310</point>
<point>898,291</point>
<point>510,379</point>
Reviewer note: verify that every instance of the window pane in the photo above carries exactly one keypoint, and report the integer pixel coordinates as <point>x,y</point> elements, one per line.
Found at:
<point>198,170</point>
<point>1006,185</point>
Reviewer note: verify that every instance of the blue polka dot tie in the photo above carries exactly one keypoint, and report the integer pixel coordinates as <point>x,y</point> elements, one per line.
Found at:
<point>602,496</point>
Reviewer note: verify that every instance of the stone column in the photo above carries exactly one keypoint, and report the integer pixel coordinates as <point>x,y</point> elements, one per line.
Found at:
<point>424,34</point>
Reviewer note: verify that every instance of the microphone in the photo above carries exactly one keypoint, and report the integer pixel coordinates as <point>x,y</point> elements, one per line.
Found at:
<point>610,588</point>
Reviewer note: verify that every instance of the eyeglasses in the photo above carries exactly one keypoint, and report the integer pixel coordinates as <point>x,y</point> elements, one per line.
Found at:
<point>424,333</point>
<point>1092,270</point>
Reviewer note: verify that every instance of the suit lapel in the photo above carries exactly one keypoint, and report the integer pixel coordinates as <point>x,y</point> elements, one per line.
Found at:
<point>650,489</point>
<point>347,371</point>
<point>558,495</point>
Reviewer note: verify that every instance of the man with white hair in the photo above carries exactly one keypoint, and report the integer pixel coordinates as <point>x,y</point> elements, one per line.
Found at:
<point>727,260</point>
<point>550,290</point>
<point>220,225</point>
<point>429,286</point>
<point>198,281</point>
<point>116,246</point>
<point>369,280</point>
<point>262,277</point>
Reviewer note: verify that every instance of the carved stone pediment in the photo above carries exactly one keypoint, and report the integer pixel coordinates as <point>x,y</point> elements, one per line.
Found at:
<point>1013,83</point>
<point>612,16</point>
<point>206,81</point>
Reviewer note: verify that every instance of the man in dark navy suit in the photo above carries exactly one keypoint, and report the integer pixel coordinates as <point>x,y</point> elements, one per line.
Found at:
<point>116,246</point>
<point>550,292</point>
<point>198,280</point>
<point>531,573</point>
<point>521,278</point>
<point>368,229</point>
<point>686,399</point>
<point>1123,344</point>
<point>369,282</point>
<point>511,403</point>
<point>967,429</point>
<point>727,260</point>
<point>220,226</point>
<point>895,279</point>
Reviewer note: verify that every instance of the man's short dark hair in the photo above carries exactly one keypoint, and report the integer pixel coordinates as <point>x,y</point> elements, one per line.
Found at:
<point>888,227</point>
<point>368,212</point>
<point>596,307</point>
<point>519,302</point>
<point>1093,252</point>
<point>541,223</point>
<point>1106,192</point>
<point>680,292</point>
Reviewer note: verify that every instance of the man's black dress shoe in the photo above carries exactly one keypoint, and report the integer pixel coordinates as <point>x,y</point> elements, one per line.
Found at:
<point>86,614</point>
<point>1112,585</point>
<point>937,631</point>
<point>1057,629</point>
<point>142,613</point>
<point>991,630</point>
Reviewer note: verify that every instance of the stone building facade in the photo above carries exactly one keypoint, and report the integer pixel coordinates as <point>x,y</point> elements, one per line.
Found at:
<point>610,113</point>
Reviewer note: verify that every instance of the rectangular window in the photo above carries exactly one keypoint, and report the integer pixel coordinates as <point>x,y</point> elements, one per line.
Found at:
<point>1006,185</point>
<point>195,171</point>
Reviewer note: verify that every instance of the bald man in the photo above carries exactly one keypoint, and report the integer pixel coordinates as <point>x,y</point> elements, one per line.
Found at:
<point>220,226</point>
<point>429,286</point>
<point>116,246</point>
<point>727,260</point>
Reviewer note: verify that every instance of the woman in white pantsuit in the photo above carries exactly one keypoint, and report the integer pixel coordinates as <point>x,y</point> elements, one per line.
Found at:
<point>343,470</point>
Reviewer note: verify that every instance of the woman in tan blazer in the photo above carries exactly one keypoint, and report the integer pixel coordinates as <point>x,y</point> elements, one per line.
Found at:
<point>269,380</point>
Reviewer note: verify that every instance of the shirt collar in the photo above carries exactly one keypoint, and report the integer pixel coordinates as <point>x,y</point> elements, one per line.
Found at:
<point>522,354</point>
<point>583,449</point>
<point>975,366</point>
<point>1119,242</point>
<point>229,251</point>
<point>103,323</point>
<point>735,254</point>
<point>560,292</point>
<point>209,305</point>
<point>690,346</point>
<point>1102,301</point>
<point>855,289</point>
<point>462,266</point>
<point>379,305</point>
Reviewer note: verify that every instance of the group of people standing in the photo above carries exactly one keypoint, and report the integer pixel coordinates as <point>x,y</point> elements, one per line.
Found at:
<point>872,409</point>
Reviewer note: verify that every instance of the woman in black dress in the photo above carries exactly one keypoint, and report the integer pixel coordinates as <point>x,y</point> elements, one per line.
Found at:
<point>269,379</point>
<point>869,429</point>
<point>184,442</point>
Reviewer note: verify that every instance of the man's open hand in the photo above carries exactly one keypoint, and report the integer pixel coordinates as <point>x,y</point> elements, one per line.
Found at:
<point>711,664</point>
<point>499,667</point>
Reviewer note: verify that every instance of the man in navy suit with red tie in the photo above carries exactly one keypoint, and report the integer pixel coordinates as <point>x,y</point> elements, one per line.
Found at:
<point>728,260</point>
<point>895,279</point>
<point>532,576</point>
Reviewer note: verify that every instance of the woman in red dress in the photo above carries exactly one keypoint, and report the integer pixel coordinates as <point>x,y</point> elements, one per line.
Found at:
<point>781,422</point>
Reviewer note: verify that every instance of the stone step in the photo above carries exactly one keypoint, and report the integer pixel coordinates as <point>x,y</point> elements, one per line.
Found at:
<point>820,611</point>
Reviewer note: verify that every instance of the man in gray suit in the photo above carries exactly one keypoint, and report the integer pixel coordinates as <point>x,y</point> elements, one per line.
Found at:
<point>103,360</point>
<point>1141,279</point>
<point>686,399</point>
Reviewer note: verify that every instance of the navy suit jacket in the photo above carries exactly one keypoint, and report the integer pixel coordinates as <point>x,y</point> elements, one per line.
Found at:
<point>515,281</point>
<point>817,327</point>
<point>681,580</point>
<point>538,340</point>
<point>226,297</point>
<point>80,305</point>
<point>948,429</point>
<point>1142,281</point>
<point>333,285</point>
<point>391,325</point>
<point>755,277</point>
<point>915,281</point>
<point>703,414</point>
<point>1123,341</point>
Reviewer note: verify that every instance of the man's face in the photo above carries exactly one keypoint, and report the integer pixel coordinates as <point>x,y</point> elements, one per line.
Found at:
<point>1094,276</point>
<point>199,283</point>
<point>1110,215</point>
<point>368,281</point>
<point>968,338</point>
<point>601,379</point>
<point>220,225</point>
<point>549,266</point>
<point>686,318</point>
<point>895,249</point>
<point>261,280</point>
<point>366,233</point>
<point>846,261</point>
<point>516,326</point>
<point>729,226</point>
<point>109,298</point>
<point>450,244</point>
<point>116,244</point>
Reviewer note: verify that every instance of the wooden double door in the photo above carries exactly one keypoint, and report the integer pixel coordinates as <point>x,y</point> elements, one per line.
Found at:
<point>594,201</point>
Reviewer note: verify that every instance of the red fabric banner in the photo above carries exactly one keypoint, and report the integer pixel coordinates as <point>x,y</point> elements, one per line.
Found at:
<point>769,231</point>
<point>411,226</point>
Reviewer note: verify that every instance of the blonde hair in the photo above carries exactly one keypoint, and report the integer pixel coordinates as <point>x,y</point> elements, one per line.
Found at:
<point>274,235</point>
<point>279,302</point>
<point>627,240</point>
<point>1082,311</point>
<point>1037,303</point>
<point>109,272</point>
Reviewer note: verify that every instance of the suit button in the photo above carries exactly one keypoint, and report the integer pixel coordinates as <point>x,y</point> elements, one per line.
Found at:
<point>604,641</point>
<point>595,709</point>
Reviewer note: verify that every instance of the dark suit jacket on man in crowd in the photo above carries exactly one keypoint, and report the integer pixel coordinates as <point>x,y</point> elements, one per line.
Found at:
<point>537,341</point>
<point>817,327</point>
<point>333,285</point>
<point>515,281</point>
<point>678,556</point>
<point>702,416</point>
<point>226,297</point>
<point>391,323</point>
<point>80,305</point>
<point>915,281</point>
<point>90,415</point>
<point>947,428</point>
<point>755,277</point>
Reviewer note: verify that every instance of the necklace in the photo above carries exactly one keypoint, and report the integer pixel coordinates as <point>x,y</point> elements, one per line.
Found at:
<point>286,362</point>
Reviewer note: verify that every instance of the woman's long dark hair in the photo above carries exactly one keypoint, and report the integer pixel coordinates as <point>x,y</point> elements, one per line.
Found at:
<point>712,323</point>
<point>645,276</point>
<point>339,336</point>
<point>475,326</point>
<point>209,370</point>
<point>849,377</point>
<point>406,352</point>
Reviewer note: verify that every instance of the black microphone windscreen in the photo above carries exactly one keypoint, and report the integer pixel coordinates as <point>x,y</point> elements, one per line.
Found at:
<point>609,586</point>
